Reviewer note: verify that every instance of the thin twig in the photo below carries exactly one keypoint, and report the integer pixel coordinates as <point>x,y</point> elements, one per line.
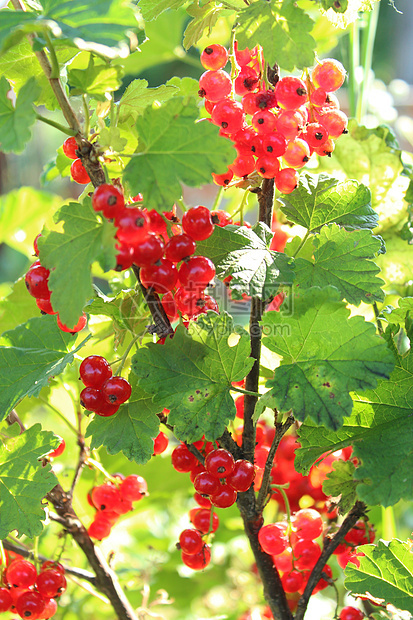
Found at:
<point>279,434</point>
<point>358,510</point>
<point>162,324</point>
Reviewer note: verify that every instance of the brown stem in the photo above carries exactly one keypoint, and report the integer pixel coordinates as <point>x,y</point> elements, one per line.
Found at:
<point>106,580</point>
<point>280,431</point>
<point>358,510</point>
<point>162,323</point>
<point>83,453</point>
<point>266,201</point>
<point>26,553</point>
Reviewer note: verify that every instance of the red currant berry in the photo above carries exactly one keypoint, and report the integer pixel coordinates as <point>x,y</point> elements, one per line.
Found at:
<point>76,328</point>
<point>37,281</point>
<point>265,100</point>
<point>182,459</point>
<point>197,561</point>
<point>116,390</point>
<point>201,519</point>
<point>196,273</point>
<point>289,124</point>
<point>6,600</point>
<point>91,399</point>
<point>306,553</point>
<point>133,488</point>
<point>273,539</point>
<point>78,172</point>
<point>297,153</point>
<point>132,224</point>
<point>59,450</point>
<point>274,144</point>
<point>35,244</point>
<point>179,247</point>
<point>229,115</point>
<point>220,463</point>
<point>148,250</point>
<point>215,85</point>
<point>243,165</point>
<point>221,218</point>
<point>107,497</point>
<point>94,371</point>
<point>21,574</point>
<point>202,501</point>
<point>307,524</point>
<point>100,527</point>
<point>190,541</point>
<point>264,121</point>
<point>45,306</point>
<point>351,613</point>
<point>286,180</point>
<point>243,57</point>
<point>70,147</point>
<point>161,277</point>
<point>334,121</point>
<point>51,583</point>
<point>197,223</point>
<point>30,605</point>
<point>325,150</point>
<point>322,584</point>
<point>49,610</point>
<point>315,135</point>
<point>108,199</point>
<point>206,484</point>
<point>169,305</point>
<point>329,75</point>
<point>247,81</point>
<point>106,410</point>
<point>291,93</point>
<point>214,57</point>
<point>160,443</point>
<point>226,497</point>
<point>157,224</point>
<point>242,476</point>
<point>55,565</point>
<point>223,179</point>
<point>267,166</point>
<point>319,98</point>
<point>292,581</point>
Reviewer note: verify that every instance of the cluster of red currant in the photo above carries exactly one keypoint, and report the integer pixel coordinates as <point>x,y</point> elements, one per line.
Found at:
<point>77,169</point>
<point>216,484</point>
<point>113,499</point>
<point>30,594</point>
<point>103,394</point>
<point>143,240</point>
<point>274,121</point>
<point>37,278</point>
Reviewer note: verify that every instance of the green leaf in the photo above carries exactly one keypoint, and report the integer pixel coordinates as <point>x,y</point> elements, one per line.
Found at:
<point>191,374</point>
<point>243,254</point>
<point>110,138</point>
<point>30,355</point>
<point>283,30</point>
<point>70,254</point>
<point>22,213</point>
<point>13,27</point>
<point>397,316</point>
<point>174,149</point>
<point>131,430</point>
<point>16,121</point>
<point>19,62</point>
<point>186,87</point>
<point>369,155</point>
<point>137,97</point>
<point>341,258</point>
<point>380,430</point>
<point>396,264</point>
<point>151,9</point>
<point>17,308</point>
<point>204,17</point>
<point>325,355</point>
<point>95,80</point>
<point>24,481</point>
<point>320,200</point>
<point>128,310</point>
<point>340,483</point>
<point>385,573</point>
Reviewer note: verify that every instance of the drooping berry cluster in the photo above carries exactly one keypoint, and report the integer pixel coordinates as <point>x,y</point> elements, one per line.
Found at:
<point>103,394</point>
<point>113,500</point>
<point>30,594</point>
<point>275,128</point>
<point>168,264</point>
<point>216,484</point>
<point>77,169</point>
